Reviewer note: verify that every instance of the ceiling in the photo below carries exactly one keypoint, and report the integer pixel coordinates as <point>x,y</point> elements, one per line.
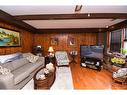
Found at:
<point>66,23</point>
<point>25,10</point>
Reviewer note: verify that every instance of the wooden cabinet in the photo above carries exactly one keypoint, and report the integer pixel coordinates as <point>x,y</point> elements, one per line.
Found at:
<point>92,63</point>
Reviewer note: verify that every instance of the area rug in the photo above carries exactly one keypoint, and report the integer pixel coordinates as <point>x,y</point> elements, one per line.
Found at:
<point>63,80</point>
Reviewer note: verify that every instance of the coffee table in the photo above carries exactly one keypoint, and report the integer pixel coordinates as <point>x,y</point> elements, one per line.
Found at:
<point>45,83</point>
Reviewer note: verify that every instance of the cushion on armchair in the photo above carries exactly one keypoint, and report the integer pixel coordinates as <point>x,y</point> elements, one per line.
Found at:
<point>62,58</point>
<point>120,73</point>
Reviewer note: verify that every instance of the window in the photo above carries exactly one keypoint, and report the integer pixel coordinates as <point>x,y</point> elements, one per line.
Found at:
<point>125,40</point>
<point>125,33</point>
<point>115,44</point>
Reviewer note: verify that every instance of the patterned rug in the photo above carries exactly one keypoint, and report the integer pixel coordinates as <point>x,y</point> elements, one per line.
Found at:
<point>63,80</point>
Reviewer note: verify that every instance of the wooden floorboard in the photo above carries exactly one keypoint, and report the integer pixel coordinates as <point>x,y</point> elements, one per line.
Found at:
<point>89,79</point>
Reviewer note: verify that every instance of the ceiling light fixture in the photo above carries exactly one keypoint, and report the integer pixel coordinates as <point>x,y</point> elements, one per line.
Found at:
<point>78,8</point>
<point>107,26</point>
<point>88,15</point>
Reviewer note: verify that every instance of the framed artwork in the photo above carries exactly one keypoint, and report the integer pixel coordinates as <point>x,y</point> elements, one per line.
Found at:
<point>54,41</point>
<point>71,41</point>
<point>9,38</point>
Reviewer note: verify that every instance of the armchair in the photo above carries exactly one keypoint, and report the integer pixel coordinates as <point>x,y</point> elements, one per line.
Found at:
<point>62,58</point>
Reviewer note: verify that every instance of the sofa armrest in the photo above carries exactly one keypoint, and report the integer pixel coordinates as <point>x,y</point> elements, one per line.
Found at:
<point>41,59</point>
<point>7,81</point>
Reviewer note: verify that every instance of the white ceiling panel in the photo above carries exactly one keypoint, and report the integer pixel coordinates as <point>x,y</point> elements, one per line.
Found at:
<point>30,10</point>
<point>77,23</point>
<point>63,2</point>
<point>104,9</point>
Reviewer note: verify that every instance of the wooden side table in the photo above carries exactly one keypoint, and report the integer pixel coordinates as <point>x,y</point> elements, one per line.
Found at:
<point>49,59</point>
<point>73,54</point>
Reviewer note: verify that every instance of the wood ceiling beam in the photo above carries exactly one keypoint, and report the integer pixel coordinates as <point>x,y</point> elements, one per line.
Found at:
<point>73,16</point>
<point>5,17</point>
<point>120,25</point>
<point>72,30</point>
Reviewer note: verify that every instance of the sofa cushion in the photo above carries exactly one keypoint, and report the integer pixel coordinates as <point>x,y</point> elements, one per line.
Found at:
<point>19,62</point>
<point>32,58</point>
<point>8,65</point>
<point>25,55</point>
<point>21,73</point>
<point>38,63</point>
<point>33,66</point>
<point>41,59</point>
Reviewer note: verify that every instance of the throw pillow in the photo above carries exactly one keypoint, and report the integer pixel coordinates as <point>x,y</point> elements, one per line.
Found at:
<point>25,55</point>
<point>32,58</point>
<point>10,57</point>
<point>4,70</point>
<point>50,67</point>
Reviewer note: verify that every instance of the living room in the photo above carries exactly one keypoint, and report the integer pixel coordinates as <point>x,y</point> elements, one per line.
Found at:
<point>67,28</point>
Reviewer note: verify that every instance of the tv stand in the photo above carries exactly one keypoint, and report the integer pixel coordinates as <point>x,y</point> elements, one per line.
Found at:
<point>90,62</point>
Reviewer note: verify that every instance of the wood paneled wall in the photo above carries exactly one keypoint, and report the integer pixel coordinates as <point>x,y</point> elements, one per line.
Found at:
<point>26,40</point>
<point>81,39</point>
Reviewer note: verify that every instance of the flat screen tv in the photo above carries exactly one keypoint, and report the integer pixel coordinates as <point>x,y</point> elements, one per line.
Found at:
<point>91,51</point>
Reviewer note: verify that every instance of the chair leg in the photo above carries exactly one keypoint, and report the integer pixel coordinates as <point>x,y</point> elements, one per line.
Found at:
<point>124,81</point>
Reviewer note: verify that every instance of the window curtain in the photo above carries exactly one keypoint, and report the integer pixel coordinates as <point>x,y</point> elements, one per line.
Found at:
<point>115,44</point>
<point>125,39</point>
<point>125,33</point>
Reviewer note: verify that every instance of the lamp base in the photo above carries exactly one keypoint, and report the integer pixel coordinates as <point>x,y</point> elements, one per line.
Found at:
<point>51,54</point>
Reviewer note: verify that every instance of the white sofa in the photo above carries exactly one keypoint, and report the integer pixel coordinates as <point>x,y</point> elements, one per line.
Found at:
<point>22,71</point>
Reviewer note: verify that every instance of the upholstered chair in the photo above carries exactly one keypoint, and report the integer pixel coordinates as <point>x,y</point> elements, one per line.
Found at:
<point>62,58</point>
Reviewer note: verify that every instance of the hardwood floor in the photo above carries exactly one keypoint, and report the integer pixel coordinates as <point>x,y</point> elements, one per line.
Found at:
<point>89,79</point>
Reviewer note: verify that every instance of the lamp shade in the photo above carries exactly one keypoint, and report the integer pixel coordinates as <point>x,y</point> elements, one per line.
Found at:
<point>50,49</point>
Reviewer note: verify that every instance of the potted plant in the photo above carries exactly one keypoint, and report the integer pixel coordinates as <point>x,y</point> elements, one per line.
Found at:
<point>118,60</point>
<point>124,51</point>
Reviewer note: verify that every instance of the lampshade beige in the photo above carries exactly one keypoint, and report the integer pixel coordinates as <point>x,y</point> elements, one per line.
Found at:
<point>50,49</point>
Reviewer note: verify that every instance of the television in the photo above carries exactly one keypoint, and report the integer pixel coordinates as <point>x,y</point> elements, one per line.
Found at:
<point>92,51</point>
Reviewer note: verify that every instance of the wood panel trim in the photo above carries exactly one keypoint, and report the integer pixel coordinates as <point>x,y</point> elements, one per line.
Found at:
<point>73,16</point>
<point>120,25</point>
<point>7,18</point>
<point>72,30</point>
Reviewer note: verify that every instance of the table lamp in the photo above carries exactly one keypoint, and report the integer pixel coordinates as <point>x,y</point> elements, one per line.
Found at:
<point>50,50</point>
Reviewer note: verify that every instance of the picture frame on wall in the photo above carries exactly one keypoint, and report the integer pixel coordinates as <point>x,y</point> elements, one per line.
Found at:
<point>54,41</point>
<point>71,41</point>
<point>9,38</point>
